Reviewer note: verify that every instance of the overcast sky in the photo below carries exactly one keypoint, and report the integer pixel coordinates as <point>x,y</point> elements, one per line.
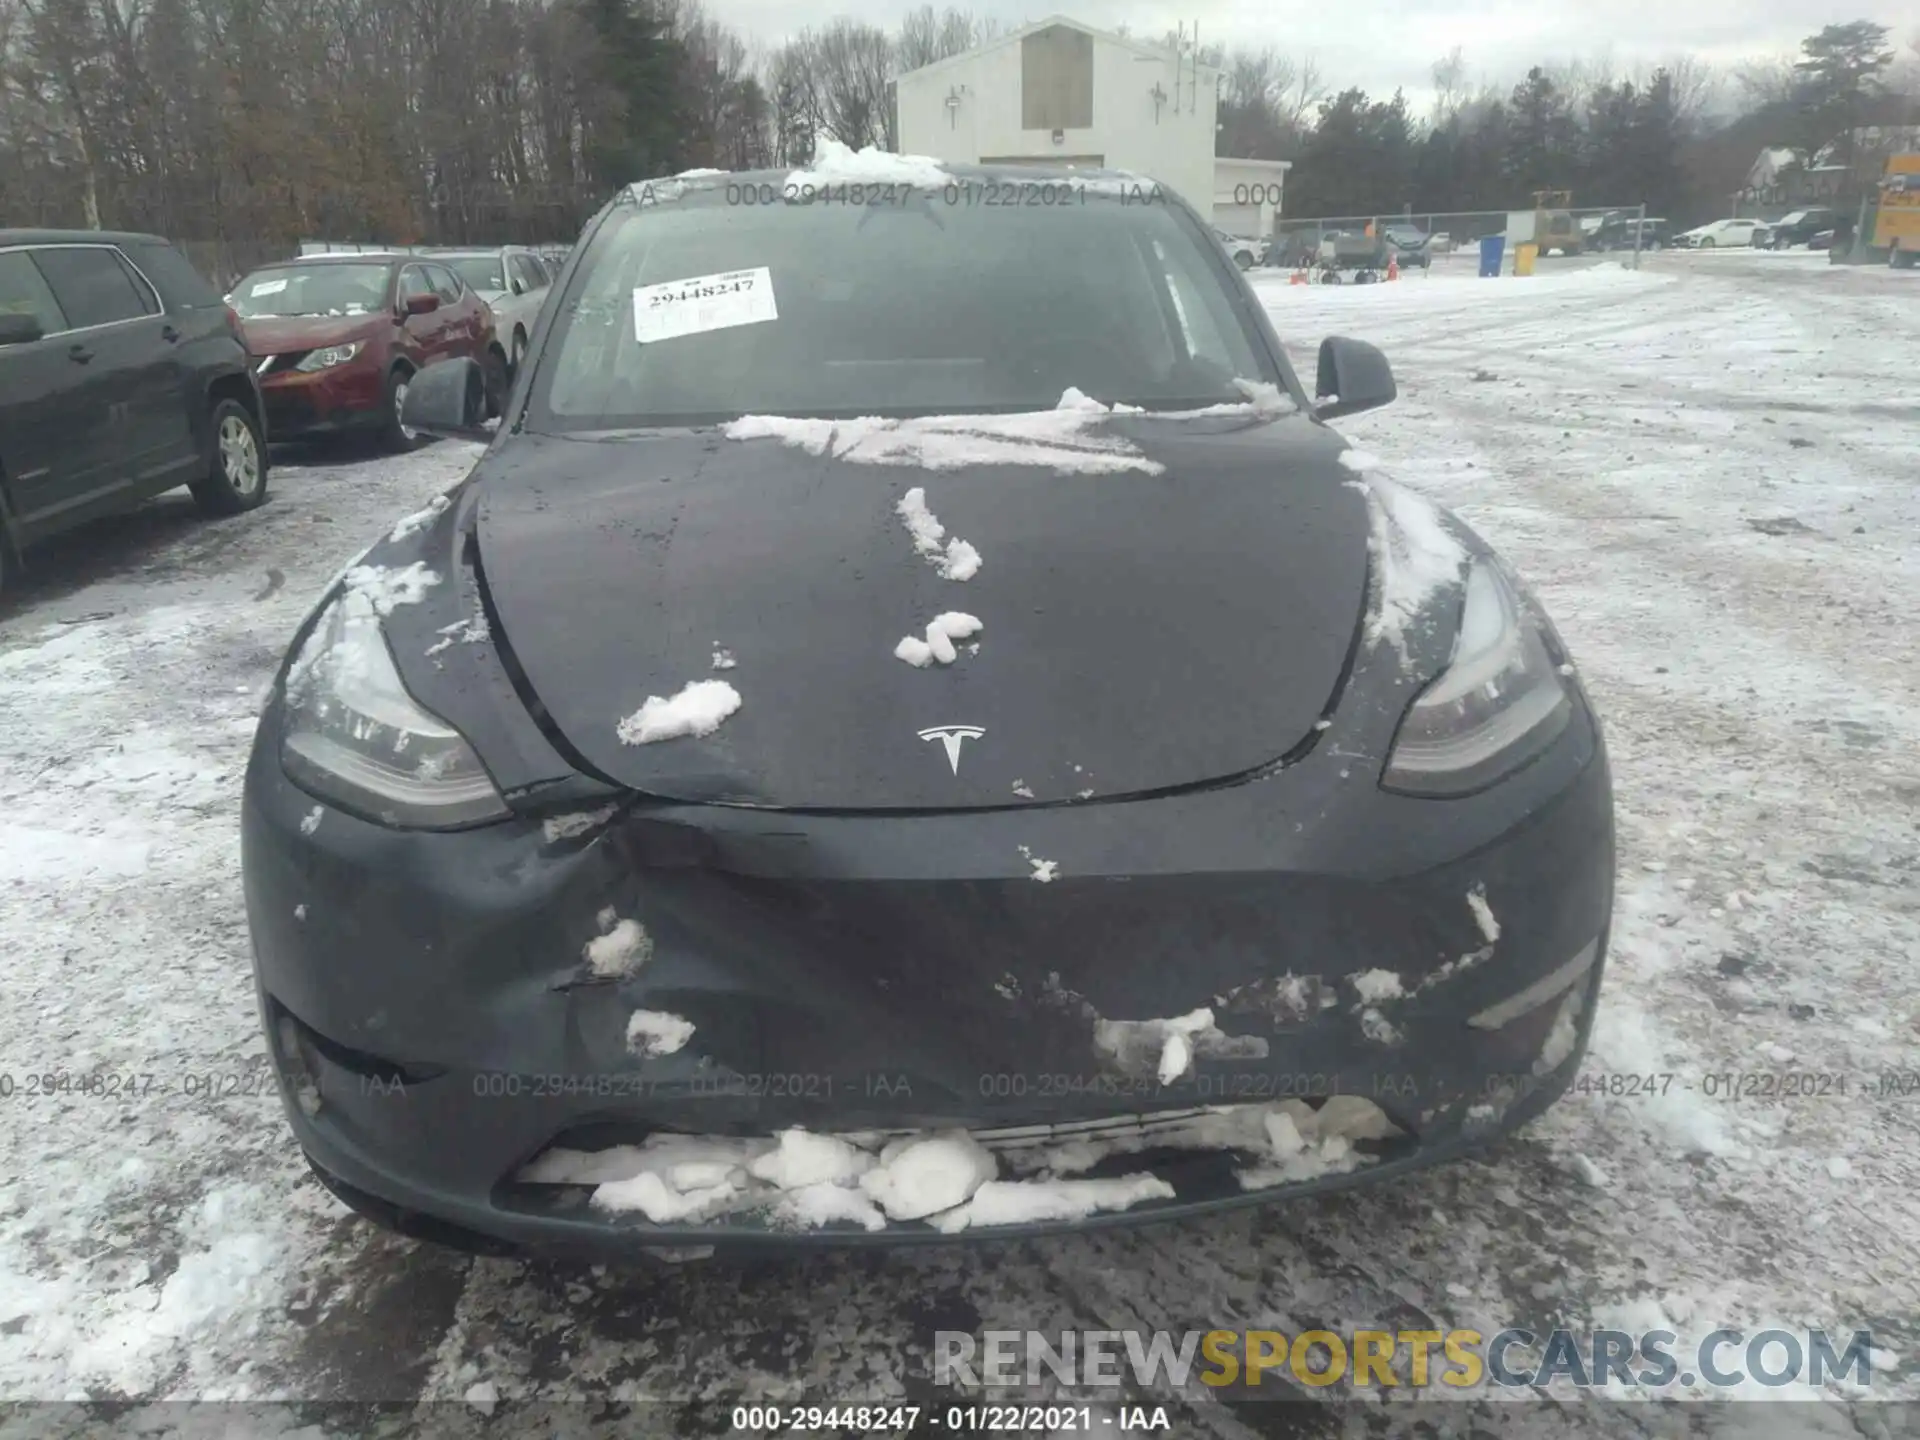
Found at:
<point>1381,44</point>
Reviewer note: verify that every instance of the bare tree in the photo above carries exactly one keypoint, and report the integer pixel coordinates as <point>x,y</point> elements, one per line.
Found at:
<point>851,65</point>
<point>926,36</point>
<point>1449,86</point>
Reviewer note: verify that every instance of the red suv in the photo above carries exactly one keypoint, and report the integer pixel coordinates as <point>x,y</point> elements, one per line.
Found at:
<point>335,339</point>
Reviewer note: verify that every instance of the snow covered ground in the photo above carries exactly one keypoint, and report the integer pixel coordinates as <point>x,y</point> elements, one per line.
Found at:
<point>1707,471</point>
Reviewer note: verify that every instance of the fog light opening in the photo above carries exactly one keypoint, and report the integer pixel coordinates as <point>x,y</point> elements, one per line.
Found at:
<point>1547,988</point>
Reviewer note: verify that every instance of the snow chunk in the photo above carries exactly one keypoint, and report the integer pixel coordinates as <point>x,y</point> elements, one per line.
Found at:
<point>1457,966</point>
<point>1564,1034</point>
<point>462,632</point>
<point>1377,1028</point>
<point>1415,559</point>
<point>1359,461</point>
<point>310,822</point>
<point>385,590</point>
<point>818,1205</point>
<point>622,949</point>
<point>835,163</point>
<point>1483,915</point>
<point>1023,790</point>
<point>484,1395</point>
<point>698,173</point>
<point>1044,871</point>
<point>926,530</point>
<point>1589,1173</point>
<point>942,631</point>
<point>652,1033</point>
<point>1839,1167</point>
<point>723,660</point>
<point>1065,441</point>
<point>805,1160</point>
<point>928,1174</point>
<point>1377,985</point>
<point>1176,1054</point>
<point>697,710</point>
<point>660,1202</point>
<point>1167,1047</point>
<point>419,520</point>
<point>1024,1202</point>
<point>961,562</point>
<point>568,827</point>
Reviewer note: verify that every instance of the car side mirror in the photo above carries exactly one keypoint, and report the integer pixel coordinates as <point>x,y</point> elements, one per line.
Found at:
<point>19,329</point>
<point>449,399</point>
<point>422,304</point>
<point>1352,376</point>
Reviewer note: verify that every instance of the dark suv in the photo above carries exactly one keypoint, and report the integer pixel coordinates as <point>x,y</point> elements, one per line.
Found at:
<point>122,374</point>
<point>1800,227</point>
<point>335,339</point>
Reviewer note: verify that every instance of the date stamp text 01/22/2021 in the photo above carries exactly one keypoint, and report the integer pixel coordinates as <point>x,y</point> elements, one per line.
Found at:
<point>960,1419</point>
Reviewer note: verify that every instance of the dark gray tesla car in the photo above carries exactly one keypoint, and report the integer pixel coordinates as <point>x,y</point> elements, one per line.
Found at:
<point>914,727</point>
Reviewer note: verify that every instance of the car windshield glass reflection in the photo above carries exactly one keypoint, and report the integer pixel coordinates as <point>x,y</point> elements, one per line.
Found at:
<point>286,290</point>
<point>481,272</point>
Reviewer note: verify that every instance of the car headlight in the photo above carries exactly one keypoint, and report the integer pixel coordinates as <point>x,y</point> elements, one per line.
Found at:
<point>329,356</point>
<point>353,736</point>
<point>1498,704</point>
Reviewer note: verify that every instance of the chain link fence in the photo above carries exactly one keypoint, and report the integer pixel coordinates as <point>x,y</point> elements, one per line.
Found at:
<point>1449,240</point>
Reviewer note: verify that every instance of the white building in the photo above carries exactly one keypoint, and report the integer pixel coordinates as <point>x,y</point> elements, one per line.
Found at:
<point>1062,93</point>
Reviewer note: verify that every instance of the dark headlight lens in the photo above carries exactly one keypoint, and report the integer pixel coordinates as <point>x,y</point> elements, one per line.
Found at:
<point>354,736</point>
<point>1498,704</point>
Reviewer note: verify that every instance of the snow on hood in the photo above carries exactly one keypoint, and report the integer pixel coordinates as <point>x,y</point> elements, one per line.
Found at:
<point>837,164</point>
<point>957,559</point>
<point>1063,441</point>
<point>385,588</point>
<point>950,1178</point>
<point>696,709</point>
<point>1415,558</point>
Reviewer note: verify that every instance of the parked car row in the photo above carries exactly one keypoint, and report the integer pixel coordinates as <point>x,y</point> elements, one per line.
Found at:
<point>124,373</point>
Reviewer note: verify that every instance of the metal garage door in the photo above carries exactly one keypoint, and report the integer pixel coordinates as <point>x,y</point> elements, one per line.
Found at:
<point>1066,162</point>
<point>1237,219</point>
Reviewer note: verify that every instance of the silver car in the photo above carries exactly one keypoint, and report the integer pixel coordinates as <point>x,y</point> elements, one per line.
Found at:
<point>513,280</point>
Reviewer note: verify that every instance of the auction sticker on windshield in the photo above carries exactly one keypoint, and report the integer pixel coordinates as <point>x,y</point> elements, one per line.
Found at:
<point>703,302</point>
<point>268,287</point>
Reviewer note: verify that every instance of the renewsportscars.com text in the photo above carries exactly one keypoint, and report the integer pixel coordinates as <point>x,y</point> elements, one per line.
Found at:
<point>1452,1360</point>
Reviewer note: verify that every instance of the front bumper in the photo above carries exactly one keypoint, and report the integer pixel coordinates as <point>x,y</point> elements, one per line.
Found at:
<point>347,398</point>
<point>436,1027</point>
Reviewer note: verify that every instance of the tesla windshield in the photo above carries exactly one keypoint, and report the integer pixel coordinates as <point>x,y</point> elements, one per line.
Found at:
<point>706,310</point>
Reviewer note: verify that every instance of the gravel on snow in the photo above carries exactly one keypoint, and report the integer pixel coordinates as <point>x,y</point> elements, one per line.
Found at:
<point>1759,692</point>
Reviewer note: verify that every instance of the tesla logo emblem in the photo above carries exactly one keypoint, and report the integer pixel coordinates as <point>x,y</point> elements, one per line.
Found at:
<point>953,737</point>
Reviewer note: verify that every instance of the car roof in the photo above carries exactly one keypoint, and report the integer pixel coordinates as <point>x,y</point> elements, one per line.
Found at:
<point>1038,172</point>
<point>337,257</point>
<point>79,237</point>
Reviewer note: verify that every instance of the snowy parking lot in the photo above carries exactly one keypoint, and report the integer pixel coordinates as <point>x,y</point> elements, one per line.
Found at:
<point>1706,468</point>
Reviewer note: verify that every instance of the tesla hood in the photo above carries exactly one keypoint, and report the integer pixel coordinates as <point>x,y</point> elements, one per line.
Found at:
<point>1140,631</point>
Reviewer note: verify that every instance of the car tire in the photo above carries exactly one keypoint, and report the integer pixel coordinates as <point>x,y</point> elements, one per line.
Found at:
<point>498,381</point>
<point>236,478</point>
<point>395,437</point>
<point>1243,259</point>
<point>1707,243</point>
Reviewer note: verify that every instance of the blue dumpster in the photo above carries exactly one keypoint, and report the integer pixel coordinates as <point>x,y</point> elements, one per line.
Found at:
<point>1492,247</point>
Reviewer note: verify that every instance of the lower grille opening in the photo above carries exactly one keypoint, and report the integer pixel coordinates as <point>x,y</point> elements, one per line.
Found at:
<point>986,1177</point>
<point>373,1068</point>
